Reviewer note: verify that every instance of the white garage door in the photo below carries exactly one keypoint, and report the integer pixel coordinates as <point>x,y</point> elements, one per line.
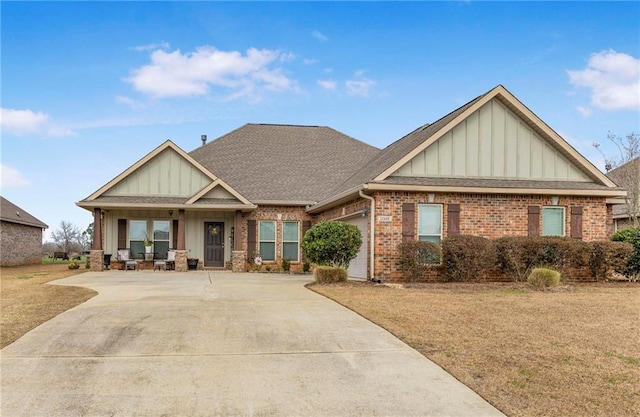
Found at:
<point>358,266</point>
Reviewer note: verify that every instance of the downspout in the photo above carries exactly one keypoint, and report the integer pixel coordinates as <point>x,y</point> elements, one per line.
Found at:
<point>372,233</point>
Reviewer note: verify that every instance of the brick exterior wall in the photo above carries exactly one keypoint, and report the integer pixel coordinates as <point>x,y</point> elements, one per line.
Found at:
<point>286,213</point>
<point>487,215</point>
<point>20,244</point>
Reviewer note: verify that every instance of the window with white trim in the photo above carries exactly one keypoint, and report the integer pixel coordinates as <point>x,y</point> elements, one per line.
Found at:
<point>430,222</point>
<point>137,235</point>
<point>553,221</point>
<point>161,238</point>
<point>267,240</point>
<point>290,241</point>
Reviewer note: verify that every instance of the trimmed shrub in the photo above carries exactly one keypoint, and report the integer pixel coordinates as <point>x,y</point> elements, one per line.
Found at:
<point>417,257</point>
<point>517,256</point>
<point>73,264</point>
<point>332,243</point>
<point>467,258</point>
<point>306,267</point>
<point>632,237</point>
<point>286,265</point>
<point>608,257</point>
<point>544,277</point>
<point>328,274</point>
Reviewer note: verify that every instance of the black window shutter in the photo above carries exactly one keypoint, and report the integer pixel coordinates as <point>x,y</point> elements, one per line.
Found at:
<point>122,233</point>
<point>576,222</point>
<point>251,237</point>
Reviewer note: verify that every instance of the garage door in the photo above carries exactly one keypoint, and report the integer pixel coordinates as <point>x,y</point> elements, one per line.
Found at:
<point>358,266</point>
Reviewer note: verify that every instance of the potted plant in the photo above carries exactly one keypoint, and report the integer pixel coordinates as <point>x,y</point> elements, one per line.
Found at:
<point>147,244</point>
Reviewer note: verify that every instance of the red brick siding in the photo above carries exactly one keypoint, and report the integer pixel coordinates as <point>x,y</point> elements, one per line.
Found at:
<point>487,215</point>
<point>288,213</point>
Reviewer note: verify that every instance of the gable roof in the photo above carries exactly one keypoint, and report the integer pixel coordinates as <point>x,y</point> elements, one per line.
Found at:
<point>378,172</point>
<point>11,213</point>
<point>103,197</point>
<point>280,164</point>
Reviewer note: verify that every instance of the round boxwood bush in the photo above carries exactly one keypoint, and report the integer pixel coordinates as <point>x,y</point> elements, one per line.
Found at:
<point>332,243</point>
<point>544,277</point>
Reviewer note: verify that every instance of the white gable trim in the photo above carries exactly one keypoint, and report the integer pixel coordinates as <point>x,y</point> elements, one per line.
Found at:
<point>515,105</point>
<point>216,183</point>
<point>168,144</point>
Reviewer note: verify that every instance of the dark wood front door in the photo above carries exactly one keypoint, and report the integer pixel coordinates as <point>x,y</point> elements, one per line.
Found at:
<point>214,244</point>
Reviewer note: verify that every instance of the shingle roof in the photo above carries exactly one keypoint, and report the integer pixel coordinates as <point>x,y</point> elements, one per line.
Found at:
<point>9,212</point>
<point>394,152</point>
<point>266,162</point>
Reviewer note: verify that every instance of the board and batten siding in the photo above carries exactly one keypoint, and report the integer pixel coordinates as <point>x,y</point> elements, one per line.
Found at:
<point>167,174</point>
<point>492,143</point>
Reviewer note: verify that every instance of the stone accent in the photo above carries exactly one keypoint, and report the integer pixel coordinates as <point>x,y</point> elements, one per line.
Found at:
<point>20,244</point>
<point>96,258</point>
<point>181,261</point>
<point>238,258</point>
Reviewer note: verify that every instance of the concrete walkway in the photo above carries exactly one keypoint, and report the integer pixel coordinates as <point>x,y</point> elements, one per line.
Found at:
<point>217,344</point>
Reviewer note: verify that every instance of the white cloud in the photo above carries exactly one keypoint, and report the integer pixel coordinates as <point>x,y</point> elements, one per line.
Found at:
<point>173,74</point>
<point>359,87</point>
<point>309,61</point>
<point>585,111</point>
<point>319,36</point>
<point>613,78</point>
<point>327,84</point>
<point>134,104</point>
<point>28,122</point>
<point>11,178</point>
<point>152,46</point>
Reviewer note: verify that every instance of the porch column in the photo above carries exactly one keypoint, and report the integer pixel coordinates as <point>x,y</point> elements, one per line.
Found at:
<point>96,254</point>
<point>181,240</point>
<point>97,229</point>
<point>181,251</point>
<point>238,256</point>
<point>237,228</point>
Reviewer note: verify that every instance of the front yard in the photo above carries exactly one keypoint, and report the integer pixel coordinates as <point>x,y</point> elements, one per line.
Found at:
<point>571,351</point>
<point>28,302</point>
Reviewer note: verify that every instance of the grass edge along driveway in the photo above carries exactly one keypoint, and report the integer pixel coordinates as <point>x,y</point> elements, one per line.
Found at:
<point>27,301</point>
<point>571,351</point>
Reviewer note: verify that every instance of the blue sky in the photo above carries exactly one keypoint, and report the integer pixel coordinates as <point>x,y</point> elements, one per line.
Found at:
<point>89,88</point>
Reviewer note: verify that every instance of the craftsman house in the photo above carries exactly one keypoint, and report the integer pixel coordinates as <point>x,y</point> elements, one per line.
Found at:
<point>20,236</point>
<point>489,168</point>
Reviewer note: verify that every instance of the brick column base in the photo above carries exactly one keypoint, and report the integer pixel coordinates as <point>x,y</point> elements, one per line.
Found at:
<point>238,257</point>
<point>181,261</point>
<point>96,259</point>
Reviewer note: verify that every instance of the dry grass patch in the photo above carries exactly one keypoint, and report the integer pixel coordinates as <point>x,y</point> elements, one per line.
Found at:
<point>27,302</point>
<point>567,351</point>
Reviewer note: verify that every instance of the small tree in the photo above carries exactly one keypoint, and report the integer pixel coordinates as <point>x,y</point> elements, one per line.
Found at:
<point>332,243</point>
<point>66,237</point>
<point>625,171</point>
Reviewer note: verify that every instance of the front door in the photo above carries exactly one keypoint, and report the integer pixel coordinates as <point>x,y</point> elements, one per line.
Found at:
<point>214,244</point>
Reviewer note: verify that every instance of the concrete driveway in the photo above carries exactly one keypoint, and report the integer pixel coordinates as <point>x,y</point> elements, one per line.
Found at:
<point>218,344</point>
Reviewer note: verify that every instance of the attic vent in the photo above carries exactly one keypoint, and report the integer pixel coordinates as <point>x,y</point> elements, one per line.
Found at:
<point>203,138</point>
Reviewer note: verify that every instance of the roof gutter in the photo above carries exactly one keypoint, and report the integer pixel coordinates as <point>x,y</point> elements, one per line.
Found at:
<point>335,200</point>
<point>89,205</point>
<point>372,233</point>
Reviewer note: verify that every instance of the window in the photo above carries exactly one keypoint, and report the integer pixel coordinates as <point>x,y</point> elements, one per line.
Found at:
<point>161,238</point>
<point>553,221</point>
<point>290,241</point>
<point>137,234</point>
<point>267,239</point>
<point>430,222</point>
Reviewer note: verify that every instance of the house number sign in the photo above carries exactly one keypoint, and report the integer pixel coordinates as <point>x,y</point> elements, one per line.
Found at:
<point>384,219</point>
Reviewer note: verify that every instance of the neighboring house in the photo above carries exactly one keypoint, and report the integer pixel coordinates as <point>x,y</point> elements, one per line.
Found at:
<point>20,236</point>
<point>490,168</point>
<point>628,176</point>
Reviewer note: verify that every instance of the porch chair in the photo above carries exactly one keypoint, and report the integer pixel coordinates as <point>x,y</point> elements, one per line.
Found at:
<point>124,257</point>
<point>171,259</point>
